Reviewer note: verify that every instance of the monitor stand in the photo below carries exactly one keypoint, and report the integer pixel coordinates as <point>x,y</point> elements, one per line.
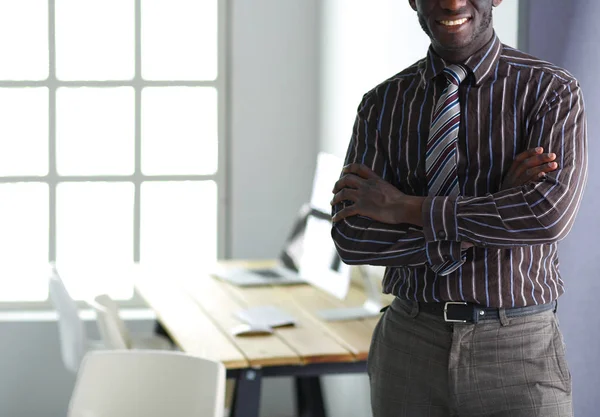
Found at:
<point>371,307</point>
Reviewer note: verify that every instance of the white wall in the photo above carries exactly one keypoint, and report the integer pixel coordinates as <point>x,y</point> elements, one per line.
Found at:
<point>364,43</point>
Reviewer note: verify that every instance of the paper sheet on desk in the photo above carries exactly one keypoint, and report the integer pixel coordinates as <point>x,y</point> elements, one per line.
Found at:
<point>267,315</point>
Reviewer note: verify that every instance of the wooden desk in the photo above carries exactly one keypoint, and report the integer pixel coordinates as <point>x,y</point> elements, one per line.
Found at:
<point>198,313</point>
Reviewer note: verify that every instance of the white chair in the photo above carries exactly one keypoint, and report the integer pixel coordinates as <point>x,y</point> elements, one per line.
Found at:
<point>74,343</point>
<point>114,332</point>
<point>126,383</point>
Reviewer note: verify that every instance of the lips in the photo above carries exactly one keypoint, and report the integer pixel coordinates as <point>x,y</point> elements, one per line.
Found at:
<point>453,22</point>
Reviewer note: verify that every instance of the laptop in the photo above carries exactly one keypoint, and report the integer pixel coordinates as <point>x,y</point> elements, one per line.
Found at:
<point>320,257</point>
<point>293,259</point>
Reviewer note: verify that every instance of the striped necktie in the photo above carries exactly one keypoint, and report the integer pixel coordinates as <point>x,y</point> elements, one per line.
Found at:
<point>442,178</point>
<point>440,162</point>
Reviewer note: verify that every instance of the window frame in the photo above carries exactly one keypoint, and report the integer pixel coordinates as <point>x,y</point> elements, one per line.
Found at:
<point>137,178</point>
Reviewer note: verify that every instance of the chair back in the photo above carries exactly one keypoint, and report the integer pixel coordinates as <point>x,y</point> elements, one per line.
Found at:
<point>73,338</point>
<point>112,330</point>
<point>141,383</point>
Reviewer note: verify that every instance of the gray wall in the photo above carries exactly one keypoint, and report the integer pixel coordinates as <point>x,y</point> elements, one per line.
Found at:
<point>274,119</point>
<point>567,33</point>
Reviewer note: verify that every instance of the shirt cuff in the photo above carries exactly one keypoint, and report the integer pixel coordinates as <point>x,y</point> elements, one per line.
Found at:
<point>441,252</point>
<point>439,218</point>
<point>448,267</point>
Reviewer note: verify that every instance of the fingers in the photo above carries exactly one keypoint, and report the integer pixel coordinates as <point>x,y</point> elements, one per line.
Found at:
<point>538,159</point>
<point>538,172</point>
<point>528,154</point>
<point>517,168</point>
<point>361,170</point>
<point>345,194</point>
<point>353,175</point>
<point>347,181</point>
<point>345,212</point>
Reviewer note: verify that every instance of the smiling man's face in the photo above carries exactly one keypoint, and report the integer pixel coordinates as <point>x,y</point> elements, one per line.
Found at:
<point>457,28</point>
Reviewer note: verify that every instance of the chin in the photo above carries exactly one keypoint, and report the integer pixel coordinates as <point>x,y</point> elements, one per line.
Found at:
<point>455,45</point>
<point>454,41</point>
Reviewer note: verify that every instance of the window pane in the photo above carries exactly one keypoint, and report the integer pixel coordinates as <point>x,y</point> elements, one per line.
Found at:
<point>179,222</point>
<point>23,241</point>
<point>179,130</point>
<point>24,40</point>
<point>94,228</point>
<point>179,39</point>
<point>95,39</point>
<point>23,131</point>
<point>95,131</point>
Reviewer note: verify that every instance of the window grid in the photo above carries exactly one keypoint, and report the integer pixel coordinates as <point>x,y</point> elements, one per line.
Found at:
<point>138,83</point>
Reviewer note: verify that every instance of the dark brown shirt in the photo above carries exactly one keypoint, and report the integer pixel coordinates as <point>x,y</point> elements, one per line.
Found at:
<point>510,102</point>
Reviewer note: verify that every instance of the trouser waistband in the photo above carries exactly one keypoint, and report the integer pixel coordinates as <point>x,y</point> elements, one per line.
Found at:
<point>463,312</point>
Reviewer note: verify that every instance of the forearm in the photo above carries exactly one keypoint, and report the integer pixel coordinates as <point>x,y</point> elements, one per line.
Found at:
<point>360,240</point>
<point>398,240</point>
<point>535,213</point>
<point>524,216</point>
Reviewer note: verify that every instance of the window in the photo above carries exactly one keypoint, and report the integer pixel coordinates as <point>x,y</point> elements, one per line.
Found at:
<point>111,149</point>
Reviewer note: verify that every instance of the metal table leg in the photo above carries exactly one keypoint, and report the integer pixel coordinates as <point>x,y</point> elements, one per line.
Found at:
<point>309,396</point>
<point>246,400</point>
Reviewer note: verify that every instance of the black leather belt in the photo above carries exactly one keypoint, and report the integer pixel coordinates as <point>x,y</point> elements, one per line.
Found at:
<point>462,312</point>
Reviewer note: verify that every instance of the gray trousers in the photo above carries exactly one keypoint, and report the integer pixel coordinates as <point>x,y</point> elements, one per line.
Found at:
<point>421,366</point>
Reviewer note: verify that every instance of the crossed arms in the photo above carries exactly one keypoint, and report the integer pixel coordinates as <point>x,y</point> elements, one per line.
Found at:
<point>375,223</point>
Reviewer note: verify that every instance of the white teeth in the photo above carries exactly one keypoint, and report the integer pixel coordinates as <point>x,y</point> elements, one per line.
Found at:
<point>453,22</point>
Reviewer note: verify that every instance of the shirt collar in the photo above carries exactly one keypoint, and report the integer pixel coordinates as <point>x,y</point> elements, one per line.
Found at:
<point>480,63</point>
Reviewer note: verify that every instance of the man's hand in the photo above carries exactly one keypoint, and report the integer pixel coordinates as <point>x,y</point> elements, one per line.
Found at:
<point>374,197</point>
<point>379,200</point>
<point>528,166</point>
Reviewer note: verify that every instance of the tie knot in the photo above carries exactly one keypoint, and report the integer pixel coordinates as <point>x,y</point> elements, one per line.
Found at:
<point>455,74</point>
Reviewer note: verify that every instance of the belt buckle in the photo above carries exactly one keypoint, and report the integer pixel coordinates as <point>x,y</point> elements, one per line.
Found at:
<point>446,311</point>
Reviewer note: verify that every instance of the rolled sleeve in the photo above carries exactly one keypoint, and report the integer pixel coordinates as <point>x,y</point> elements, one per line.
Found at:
<point>439,219</point>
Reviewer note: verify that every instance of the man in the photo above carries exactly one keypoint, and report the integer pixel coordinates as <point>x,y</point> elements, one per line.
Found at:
<point>463,173</point>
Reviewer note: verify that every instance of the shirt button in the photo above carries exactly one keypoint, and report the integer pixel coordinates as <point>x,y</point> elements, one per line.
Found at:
<point>442,234</point>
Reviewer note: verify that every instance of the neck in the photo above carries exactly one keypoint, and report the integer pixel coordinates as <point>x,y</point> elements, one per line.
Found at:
<point>458,56</point>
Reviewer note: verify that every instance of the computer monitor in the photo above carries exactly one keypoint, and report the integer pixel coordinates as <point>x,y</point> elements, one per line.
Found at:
<point>319,264</point>
<point>319,249</point>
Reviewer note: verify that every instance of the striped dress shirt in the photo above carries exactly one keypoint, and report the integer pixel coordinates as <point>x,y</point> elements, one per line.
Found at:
<point>510,102</point>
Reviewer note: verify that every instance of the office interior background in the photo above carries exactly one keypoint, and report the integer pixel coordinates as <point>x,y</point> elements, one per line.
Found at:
<point>290,76</point>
